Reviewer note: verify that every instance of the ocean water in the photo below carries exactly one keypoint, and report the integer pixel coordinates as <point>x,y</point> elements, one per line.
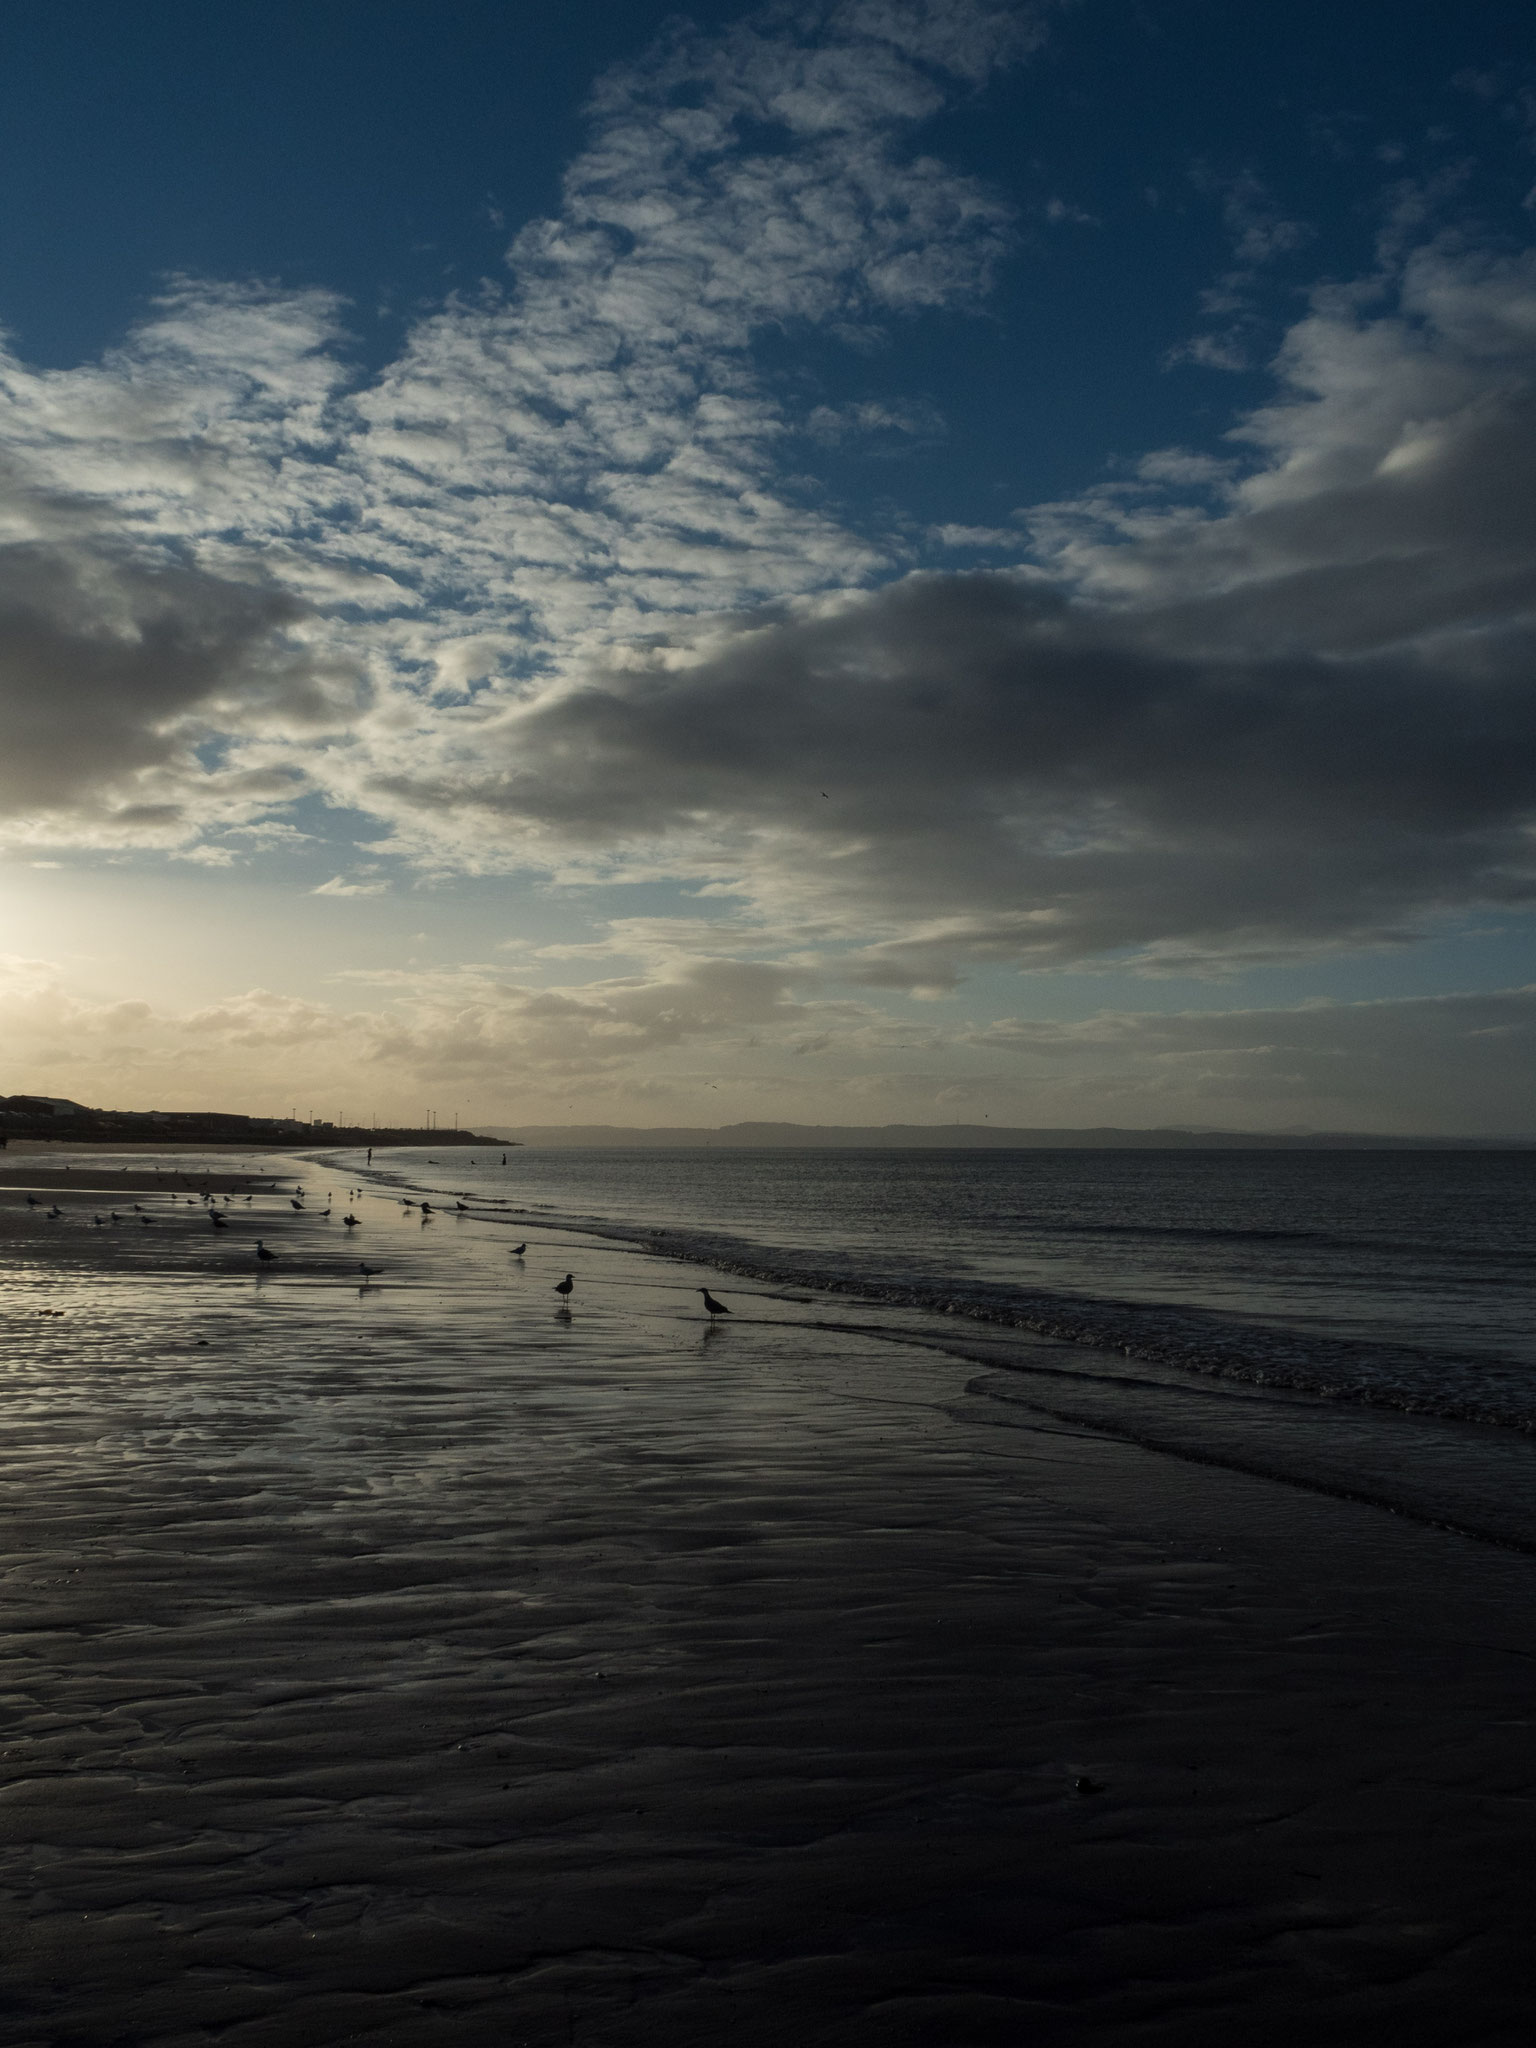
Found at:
<point>1399,1280</point>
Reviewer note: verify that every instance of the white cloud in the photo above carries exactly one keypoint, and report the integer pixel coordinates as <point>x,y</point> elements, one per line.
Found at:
<point>977,537</point>
<point>339,885</point>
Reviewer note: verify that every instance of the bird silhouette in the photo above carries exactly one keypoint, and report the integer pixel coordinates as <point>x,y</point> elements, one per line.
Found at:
<point>368,1272</point>
<point>217,1220</point>
<point>715,1308</point>
<point>293,1204</point>
<point>262,1253</point>
<point>565,1287</point>
<point>350,1222</point>
<point>518,1250</point>
<point>461,1205</point>
<point>56,1212</point>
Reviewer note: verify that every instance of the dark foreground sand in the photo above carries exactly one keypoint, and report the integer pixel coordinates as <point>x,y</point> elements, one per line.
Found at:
<point>417,1667</point>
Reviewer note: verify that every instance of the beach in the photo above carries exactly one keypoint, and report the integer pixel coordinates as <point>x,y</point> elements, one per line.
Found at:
<point>409,1660</point>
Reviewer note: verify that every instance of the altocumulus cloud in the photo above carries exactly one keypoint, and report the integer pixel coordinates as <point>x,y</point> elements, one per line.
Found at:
<point>546,593</point>
<point>543,471</point>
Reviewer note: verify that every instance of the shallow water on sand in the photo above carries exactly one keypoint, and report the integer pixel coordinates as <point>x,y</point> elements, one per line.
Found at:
<point>1401,1279</point>
<point>416,1662</point>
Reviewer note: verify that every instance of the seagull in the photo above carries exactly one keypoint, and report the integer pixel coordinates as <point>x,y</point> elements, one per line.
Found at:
<point>55,1212</point>
<point>350,1222</point>
<point>564,1287</point>
<point>426,1208</point>
<point>217,1220</point>
<point>461,1205</point>
<point>31,1201</point>
<point>368,1272</point>
<point>262,1253</point>
<point>293,1204</point>
<point>98,1219</point>
<point>715,1308</point>
<point>518,1250</point>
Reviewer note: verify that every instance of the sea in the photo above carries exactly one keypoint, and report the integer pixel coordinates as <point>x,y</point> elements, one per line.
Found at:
<point>1363,1322</point>
<point>1401,1278</point>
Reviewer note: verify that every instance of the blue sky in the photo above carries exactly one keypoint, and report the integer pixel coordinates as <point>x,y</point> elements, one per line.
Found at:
<point>851,563</point>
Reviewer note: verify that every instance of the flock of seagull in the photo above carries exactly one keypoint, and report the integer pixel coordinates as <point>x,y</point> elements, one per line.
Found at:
<point>265,1256</point>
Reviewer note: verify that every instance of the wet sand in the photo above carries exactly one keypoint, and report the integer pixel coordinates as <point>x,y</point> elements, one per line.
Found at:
<point>411,1664</point>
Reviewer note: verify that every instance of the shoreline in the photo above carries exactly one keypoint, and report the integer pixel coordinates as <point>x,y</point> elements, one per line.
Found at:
<point>414,1661</point>
<point>1192,1343</point>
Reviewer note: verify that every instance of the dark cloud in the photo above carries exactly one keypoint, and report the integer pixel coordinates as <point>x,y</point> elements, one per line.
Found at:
<point>1010,775</point>
<point>112,671</point>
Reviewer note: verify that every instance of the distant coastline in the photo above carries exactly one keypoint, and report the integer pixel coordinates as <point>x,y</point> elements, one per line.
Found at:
<point>53,1119</point>
<point>987,1137</point>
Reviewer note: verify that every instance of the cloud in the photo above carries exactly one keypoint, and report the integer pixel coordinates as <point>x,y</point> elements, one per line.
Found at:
<point>989,771</point>
<point>221,535</point>
<point>547,593</point>
<point>1458,1063</point>
<point>468,1025</point>
<point>1243,710</point>
<point>519,1052</point>
<point>114,671</point>
<point>338,885</point>
<point>976,537</point>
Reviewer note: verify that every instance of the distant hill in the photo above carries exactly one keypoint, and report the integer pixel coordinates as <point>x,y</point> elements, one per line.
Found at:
<point>1103,1137</point>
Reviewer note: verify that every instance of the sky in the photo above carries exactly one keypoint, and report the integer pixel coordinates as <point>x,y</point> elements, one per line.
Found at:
<point>852,563</point>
